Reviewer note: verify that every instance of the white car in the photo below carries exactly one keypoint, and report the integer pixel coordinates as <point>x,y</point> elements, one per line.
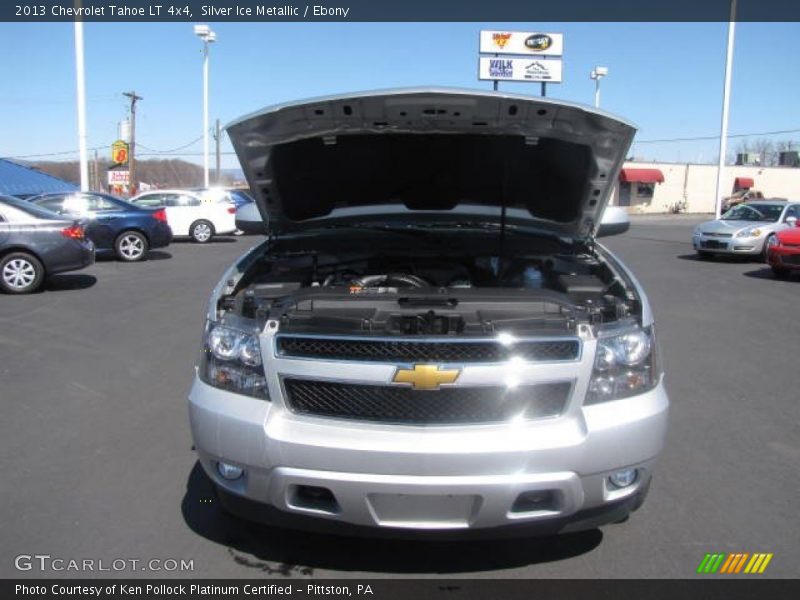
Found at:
<point>188,214</point>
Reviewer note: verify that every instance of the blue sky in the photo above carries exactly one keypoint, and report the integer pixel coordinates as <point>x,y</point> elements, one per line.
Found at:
<point>665,77</point>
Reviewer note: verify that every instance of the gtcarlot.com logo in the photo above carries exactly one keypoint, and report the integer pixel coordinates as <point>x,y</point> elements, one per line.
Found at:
<point>722,563</point>
<point>46,562</point>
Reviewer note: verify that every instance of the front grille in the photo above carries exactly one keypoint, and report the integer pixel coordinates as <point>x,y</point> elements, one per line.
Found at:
<point>447,405</point>
<point>790,259</point>
<point>410,351</point>
<point>715,234</point>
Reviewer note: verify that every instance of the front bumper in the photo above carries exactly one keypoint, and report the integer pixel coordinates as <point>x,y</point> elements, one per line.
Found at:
<point>437,479</point>
<point>731,245</point>
<point>784,257</point>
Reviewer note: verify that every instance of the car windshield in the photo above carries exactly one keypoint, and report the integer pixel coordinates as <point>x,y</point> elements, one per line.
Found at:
<point>754,212</point>
<point>31,209</point>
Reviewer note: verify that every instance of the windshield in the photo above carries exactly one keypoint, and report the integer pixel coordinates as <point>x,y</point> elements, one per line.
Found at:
<point>754,212</point>
<point>31,209</point>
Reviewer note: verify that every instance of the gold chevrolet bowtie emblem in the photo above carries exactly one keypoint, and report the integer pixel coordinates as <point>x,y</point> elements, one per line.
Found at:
<point>426,377</point>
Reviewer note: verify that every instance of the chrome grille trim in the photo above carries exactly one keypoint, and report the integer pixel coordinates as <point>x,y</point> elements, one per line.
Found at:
<point>442,350</point>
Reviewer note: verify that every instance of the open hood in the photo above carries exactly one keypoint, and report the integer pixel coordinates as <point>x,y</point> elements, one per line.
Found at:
<point>432,154</point>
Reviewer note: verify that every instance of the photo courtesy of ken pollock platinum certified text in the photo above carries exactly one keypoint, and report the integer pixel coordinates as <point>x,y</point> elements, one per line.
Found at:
<point>163,589</point>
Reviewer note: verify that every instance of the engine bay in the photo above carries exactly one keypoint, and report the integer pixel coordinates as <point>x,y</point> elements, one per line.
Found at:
<point>380,293</point>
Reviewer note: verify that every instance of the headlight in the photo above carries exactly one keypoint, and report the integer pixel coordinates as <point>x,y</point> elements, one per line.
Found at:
<point>749,232</point>
<point>624,365</point>
<point>232,361</point>
<point>773,241</point>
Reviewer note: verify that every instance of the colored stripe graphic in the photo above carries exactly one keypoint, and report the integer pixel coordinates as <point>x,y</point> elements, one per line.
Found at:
<point>731,560</point>
<point>744,556</point>
<point>764,564</point>
<point>701,568</point>
<point>724,563</point>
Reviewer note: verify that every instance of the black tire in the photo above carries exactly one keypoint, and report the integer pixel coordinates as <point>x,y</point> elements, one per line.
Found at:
<point>201,231</point>
<point>780,273</point>
<point>131,246</point>
<point>703,255</point>
<point>21,273</point>
<point>764,251</point>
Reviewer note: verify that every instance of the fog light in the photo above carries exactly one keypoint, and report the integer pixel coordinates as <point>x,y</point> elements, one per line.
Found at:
<point>229,472</point>
<point>623,478</point>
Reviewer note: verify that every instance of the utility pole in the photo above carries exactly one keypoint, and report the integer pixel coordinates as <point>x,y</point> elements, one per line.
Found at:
<point>217,135</point>
<point>132,146</point>
<point>97,184</point>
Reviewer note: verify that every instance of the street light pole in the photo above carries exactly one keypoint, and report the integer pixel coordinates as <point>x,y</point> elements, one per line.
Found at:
<point>80,81</point>
<point>597,74</point>
<point>207,36</point>
<point>726,97</point>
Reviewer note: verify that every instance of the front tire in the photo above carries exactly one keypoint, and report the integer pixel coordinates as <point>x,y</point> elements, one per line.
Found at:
<point>767,244</point>
<point>201,231</point>
<point>131,246</point>
<point>21,273</point>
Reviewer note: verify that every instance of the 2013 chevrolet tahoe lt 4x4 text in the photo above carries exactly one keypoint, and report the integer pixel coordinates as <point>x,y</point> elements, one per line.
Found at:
<point>430,341</point>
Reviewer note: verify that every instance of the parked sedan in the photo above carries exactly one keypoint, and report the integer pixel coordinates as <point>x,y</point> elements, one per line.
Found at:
<point>114,225</point>
<point>188,213</point>
<point>237,196</point>
<point>746,229</point>
<point>36,243</point>
<point>783,253</point>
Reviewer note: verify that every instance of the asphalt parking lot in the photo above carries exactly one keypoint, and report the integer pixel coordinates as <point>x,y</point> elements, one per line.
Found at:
<point>96,457</point>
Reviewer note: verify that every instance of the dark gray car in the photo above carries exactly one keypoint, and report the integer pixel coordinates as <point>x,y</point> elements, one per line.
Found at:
<point>36,243</point>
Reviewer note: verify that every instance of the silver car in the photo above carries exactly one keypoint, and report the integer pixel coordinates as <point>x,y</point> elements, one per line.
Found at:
<point>431,341</point>
<point>746,229</point>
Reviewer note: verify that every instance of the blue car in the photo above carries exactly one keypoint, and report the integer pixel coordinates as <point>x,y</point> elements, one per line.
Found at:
<point>113,224</point>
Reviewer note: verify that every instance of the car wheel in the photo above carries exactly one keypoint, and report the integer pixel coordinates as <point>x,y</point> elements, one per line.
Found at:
<point>767,244</point>
<point>131,246</point>
<point>201,231</point>
<point>780,273</point>
<point>703,255</point>
<point>20,273</point>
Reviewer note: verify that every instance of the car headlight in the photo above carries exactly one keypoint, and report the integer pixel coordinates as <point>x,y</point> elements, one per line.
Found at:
<point>232,361</point>
<point>749,232</point>
<point>624,365</point>
<point>773,241</point>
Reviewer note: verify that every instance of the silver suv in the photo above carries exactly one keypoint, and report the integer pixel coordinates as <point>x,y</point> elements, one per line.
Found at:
<point>430,339</point>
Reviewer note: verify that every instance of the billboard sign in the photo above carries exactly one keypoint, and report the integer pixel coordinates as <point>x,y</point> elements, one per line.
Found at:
<point>119,152</point>
<point>520,69</point>
<point>522,43</point>
<point>118,177</point>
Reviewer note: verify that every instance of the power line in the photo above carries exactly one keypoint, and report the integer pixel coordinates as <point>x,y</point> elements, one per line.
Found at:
<point>176,151</point>
<point>715,137</point>
<point>192,143</point>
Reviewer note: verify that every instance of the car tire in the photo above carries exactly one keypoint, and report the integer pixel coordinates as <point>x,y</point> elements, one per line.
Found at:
<point>131,246</point>
<point>21,273</point>
<point>780,273</point>
<point>201,231</point>
<point>703,255</point>
<point>765,249</point>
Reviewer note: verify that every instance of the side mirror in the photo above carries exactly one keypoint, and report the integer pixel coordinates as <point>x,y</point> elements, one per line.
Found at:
<point>615,221</point>
<point>791,221</point>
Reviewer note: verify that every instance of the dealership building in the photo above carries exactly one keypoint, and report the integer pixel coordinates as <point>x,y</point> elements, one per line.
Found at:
<point>657,187</point>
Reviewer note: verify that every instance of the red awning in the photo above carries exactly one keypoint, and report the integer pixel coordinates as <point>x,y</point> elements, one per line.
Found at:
<point>641,176</point>
<point>743,183</point>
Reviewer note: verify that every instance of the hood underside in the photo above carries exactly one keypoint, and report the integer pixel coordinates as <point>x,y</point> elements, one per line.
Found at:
<point>435,153</point>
